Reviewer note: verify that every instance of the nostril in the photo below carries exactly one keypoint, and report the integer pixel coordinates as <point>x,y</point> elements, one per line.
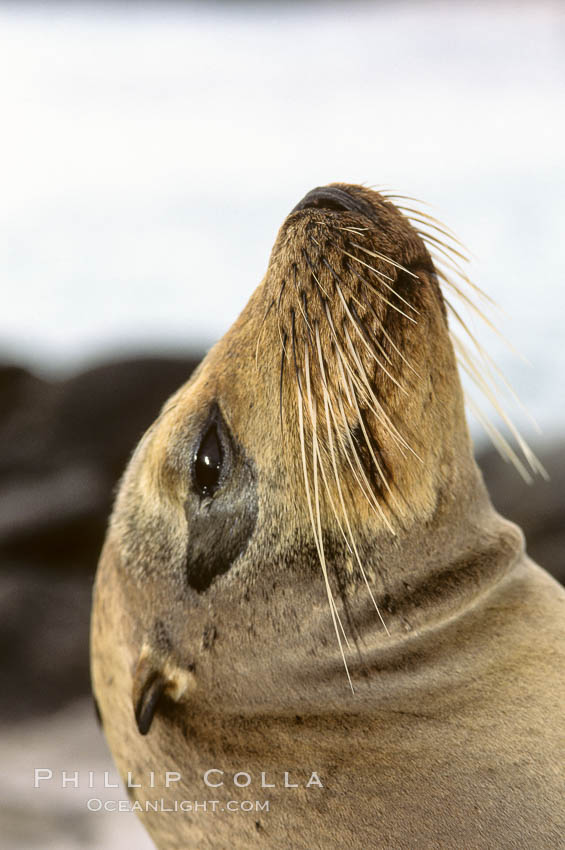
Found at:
<point>332,198</point>
<point>326,204</point>
<point>324,199</point>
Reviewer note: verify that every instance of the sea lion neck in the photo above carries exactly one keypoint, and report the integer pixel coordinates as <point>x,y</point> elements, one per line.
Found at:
<point>445,564</point>
<point>446,574</point>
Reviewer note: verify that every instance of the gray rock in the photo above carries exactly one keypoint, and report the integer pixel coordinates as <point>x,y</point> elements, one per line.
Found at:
<point>538,508</point>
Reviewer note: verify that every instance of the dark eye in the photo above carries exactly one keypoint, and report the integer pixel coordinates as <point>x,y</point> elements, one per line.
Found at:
<point>208,463</point>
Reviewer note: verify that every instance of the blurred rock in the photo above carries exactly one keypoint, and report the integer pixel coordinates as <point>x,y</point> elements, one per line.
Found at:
<point>63,447</point>
<point>538,508</point>
<point>44,633</point>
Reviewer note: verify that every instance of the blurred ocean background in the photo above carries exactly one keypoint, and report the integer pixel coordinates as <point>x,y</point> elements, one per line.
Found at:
<point>149,152</point>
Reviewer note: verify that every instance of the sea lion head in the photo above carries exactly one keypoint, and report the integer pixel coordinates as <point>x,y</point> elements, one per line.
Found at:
<point>315,463</point>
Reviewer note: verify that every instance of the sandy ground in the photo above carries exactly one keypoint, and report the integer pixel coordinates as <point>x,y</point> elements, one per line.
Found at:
<point>51,817</point>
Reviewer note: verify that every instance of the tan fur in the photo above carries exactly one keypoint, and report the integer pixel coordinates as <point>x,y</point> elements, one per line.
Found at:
<point>451,735</point>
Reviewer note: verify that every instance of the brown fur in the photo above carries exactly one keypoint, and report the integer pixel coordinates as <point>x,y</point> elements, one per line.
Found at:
<point>452,735</point>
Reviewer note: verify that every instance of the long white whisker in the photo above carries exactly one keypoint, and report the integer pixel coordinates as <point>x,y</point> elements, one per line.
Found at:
<point>383,281</point>
<point>318,542</point>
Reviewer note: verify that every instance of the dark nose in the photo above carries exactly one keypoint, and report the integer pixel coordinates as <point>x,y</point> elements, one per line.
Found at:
<point>333,198</point>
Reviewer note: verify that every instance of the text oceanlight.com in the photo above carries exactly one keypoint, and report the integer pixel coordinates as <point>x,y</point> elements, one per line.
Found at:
<point>195,806</point>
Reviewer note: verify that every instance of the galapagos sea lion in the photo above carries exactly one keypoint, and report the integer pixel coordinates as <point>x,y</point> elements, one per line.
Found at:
<point>305,593</point>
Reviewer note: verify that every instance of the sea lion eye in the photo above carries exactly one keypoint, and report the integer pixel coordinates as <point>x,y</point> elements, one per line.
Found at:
<point>208,463</point>
<point>218,528</point>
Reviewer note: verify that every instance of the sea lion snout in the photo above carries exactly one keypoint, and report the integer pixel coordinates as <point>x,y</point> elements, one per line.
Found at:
<point>334,198</point>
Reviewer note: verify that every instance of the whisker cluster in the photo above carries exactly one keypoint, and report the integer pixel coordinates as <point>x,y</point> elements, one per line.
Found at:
<point>340,308</point>
<point>340,351</point>
<point>472,357</point>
